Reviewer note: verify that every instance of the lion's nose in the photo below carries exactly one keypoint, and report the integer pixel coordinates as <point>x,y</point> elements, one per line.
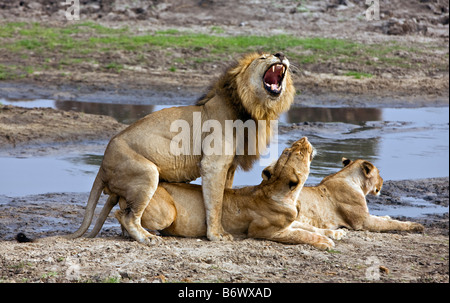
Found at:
<point>280,55</point>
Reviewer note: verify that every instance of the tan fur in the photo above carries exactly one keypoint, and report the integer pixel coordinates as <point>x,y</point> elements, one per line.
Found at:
<point>139,157</point>
<point>266,211</point>
<point>340,201</point>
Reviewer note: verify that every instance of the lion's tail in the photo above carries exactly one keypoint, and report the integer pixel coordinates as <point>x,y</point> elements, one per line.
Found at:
<point>94,196</point>
<point>110,203</point>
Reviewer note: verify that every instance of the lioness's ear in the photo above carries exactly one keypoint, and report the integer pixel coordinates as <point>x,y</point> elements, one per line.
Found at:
<point>267,173</point>
<point>346,161</point>
<point>367,168</point>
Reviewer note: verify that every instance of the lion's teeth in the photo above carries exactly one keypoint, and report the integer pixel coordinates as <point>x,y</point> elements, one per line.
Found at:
<point>284,69</point>
<point>273,68</point>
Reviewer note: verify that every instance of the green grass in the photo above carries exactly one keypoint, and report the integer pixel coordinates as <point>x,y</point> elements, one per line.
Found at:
<point>42,39</point>
<point>114,66</point>
<point>111,280</point>
<point>218,44</point>
<point>333,251</point>
<point>358,75</point>
<point>81,42</point>
<point>36,37</point>
<point>4,72</point>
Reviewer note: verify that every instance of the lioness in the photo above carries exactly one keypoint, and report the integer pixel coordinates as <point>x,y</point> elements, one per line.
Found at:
<point>340,201</point>
<point>265,211</point>
<point>258,87</point>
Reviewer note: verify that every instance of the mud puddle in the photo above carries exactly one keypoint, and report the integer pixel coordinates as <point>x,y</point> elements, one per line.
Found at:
<point>404,144</point>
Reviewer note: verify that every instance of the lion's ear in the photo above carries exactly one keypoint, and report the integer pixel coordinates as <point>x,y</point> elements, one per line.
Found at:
<point>367,168</point>
<point>346,161</point>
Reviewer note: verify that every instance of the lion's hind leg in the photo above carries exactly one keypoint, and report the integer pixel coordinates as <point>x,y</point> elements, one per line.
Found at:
<point>129,228</point>
<point>139,181</point>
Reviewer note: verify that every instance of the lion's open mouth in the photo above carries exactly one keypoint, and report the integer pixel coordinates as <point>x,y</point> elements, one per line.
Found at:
<point>273,78</point>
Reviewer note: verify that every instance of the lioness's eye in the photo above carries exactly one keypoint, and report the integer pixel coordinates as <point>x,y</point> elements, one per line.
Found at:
<point>293,185</point>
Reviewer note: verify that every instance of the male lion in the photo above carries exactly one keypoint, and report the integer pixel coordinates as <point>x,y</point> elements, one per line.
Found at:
<point>266,211</point>
<point>258,87</point>
<point>340,201</point>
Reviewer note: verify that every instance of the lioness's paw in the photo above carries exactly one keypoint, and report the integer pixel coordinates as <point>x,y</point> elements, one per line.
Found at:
<point>416,227</point>
<point>324,243</point>
<point>152,240</point>
<point>223,236</point>
<point>337,234</point>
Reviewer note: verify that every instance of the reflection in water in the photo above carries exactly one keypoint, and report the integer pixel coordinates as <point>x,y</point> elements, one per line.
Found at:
<point>128,113</point>
<point>330,153</point>
<point>88,159</point>
<point>345,115</point>
<point>124,113</point>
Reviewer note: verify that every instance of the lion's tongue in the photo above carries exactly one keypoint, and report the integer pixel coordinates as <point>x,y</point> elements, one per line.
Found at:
<point>271,77</point>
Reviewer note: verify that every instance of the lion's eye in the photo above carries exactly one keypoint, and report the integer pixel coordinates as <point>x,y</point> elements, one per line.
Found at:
<point>262,58</point>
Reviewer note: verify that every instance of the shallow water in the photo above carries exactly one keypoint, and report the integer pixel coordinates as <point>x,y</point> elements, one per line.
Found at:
<point>410,207</point>
<point>408,143</point>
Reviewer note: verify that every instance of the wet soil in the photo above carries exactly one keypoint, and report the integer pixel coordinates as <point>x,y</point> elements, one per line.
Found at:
<point>22,126</point>
<point>360,257</point>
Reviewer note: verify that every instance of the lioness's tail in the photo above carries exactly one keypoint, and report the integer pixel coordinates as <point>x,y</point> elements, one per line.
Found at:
<point>94,196</point>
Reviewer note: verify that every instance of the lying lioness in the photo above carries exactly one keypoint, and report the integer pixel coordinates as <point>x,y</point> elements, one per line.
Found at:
<point>340,201</point>
<point>265,211</point>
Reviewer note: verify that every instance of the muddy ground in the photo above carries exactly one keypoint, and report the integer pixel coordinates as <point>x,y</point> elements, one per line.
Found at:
<point>359,257</point>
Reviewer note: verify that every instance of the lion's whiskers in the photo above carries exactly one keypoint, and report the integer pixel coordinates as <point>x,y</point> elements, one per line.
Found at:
<point>297,69</point>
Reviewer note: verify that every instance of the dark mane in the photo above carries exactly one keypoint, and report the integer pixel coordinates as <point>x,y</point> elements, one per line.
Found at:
<point>226,87</point>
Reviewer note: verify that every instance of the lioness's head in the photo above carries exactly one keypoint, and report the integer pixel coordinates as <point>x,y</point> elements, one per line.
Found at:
<point>259,84</point>
<point>285,178</point>
<point>372,181</point>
